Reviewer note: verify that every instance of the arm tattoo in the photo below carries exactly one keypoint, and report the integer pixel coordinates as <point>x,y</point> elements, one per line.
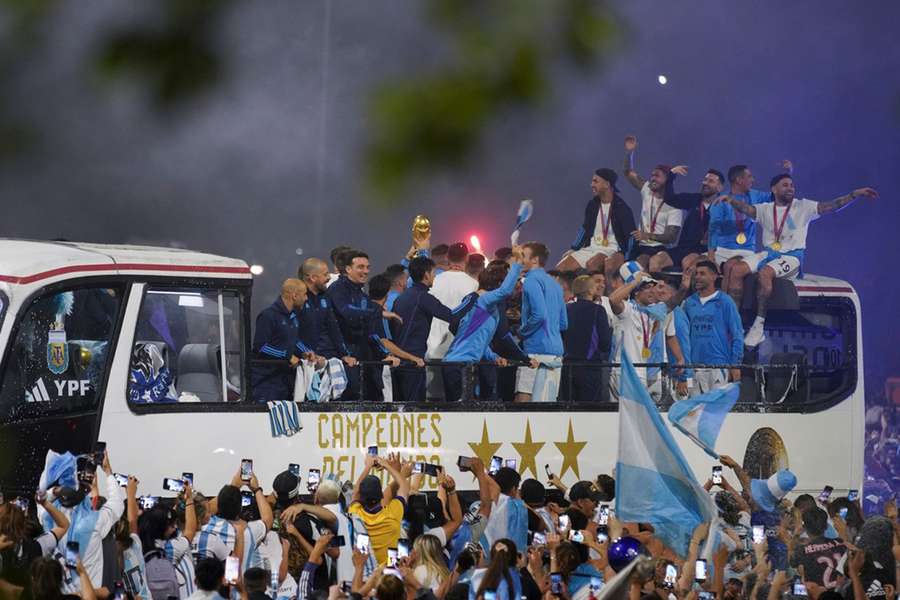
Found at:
<point>630,174</point>
<point>747,209</point>
<point>835,205</point>
<point>666,237</point>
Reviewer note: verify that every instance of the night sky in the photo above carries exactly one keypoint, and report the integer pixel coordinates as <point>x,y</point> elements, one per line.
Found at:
<point>270,160</point>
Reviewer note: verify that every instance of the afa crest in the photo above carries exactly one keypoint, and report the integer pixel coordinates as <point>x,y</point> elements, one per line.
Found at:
<point>57,351</point>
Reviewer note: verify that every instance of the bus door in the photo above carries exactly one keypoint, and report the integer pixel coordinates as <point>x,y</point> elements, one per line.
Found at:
<point>53,375</point>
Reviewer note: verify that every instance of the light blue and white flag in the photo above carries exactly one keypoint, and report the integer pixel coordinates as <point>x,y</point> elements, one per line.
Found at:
<point>701,417</point>
<point>526,209</point>
<point>509,519</point>
<point>654,483</point>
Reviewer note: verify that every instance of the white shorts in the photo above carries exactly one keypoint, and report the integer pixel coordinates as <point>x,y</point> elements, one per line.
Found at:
<point>785,266</point>
<point>615,374</point>
<point>542,383</point>
<point>708,380</point>
<point>588,252</point>
<point>748,256</point>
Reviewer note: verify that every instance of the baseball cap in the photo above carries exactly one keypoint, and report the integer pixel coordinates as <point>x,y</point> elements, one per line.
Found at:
<point>609,175</point>
<point>557,497</point>
<point>286,487</point>
<point>584,490</point>
<point>370,490</point>
<point>532,492</point>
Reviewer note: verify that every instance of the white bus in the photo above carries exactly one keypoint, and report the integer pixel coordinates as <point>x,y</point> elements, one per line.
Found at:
<point>72,316</point>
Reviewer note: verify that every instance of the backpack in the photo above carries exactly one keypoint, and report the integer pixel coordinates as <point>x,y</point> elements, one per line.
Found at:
<point>161,579</point>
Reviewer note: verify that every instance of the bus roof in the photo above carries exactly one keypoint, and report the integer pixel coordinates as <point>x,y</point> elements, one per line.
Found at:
<point>24,262</point>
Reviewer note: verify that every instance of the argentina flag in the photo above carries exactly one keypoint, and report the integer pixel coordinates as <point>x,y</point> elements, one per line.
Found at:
<point>654,483</point>
<point>701,417</point>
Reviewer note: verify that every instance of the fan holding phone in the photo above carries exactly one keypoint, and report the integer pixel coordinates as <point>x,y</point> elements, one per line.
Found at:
<point>383,522</point>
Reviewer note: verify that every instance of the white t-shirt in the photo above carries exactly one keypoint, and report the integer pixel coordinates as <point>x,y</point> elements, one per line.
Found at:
<point>450,287</point>
<point>344,564</point>
<point>426,579</point>
<point>796,224</point>
<point>629,327</point>
<point>603,216</point>
<point>666,216</point>
<point>705,299</point>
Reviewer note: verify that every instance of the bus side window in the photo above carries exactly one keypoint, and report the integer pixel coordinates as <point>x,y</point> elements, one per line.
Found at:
<point>181,338</point>
<point>59,357</point>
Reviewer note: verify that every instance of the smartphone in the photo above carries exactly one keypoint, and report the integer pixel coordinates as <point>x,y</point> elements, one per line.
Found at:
<point>799,588</point>
<point>188,477</point>
<point>717,475</point>
<point>392,558</point>
<point>538,539</point>
<point>147,502</point>
<point>171,484</point>
<point>671,576</point>
<point>603,515</point>
<point>246,469</point>
<point>122,480</point>
<point>496,463</point>
<point>464,463</point>
<point>706,596</point>
<point>402,548</point>
<point>852,495</point>
<point>346,587</point>
<point>563,522</point>
<point>362,543</point>
<point>490,594</point>
<point>548,472</point>
<point>232,568</point>
<point>72,550</point>
<point>759,534</point>
<point>373,451</point>
<point>312,480</point>
<point>700,570</point>
<point>556,583</point>
<point>576,535</point>
<point>602,533</point>
<point>99,452</point>
<point>510,463</point>
<point>843,513</point>
<point>246,498</point>
<point>119,591</point>
<point>826,494</point>
<point>595,585</point>
<point>294,469</point>
<point>418,468</point>
<point>337,541</point>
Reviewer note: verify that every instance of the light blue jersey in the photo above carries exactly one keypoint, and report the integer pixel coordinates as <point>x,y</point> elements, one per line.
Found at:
<point>726,224</point>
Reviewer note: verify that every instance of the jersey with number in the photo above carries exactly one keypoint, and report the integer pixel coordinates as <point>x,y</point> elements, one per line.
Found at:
<point>819,558</point>
<point>793,226</point>
<point>656,215</point>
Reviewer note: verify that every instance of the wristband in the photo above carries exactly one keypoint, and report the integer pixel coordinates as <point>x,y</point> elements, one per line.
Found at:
<point>256,491</point>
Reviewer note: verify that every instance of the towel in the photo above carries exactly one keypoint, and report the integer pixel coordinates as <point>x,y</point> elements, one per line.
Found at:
<point>320,385</point>
<point>284,419</point>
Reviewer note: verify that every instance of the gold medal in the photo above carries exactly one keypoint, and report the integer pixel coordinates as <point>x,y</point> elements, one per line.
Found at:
<point>645,352</point>
<point>776,246</point>
<point>604,242</point>
<point>741,238</point>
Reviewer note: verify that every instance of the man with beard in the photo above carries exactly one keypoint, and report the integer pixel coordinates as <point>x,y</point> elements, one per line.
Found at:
<point>660,223</point>
<point>784,224</point>
<point>695,233</point>
<point>318,328</point>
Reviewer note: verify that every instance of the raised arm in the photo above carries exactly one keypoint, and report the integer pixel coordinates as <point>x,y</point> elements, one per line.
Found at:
<point>59,519</point>
<point>131,506</point>
<point>832,206</point>
<point>401,481</point>
<point>370,462</point>
<point>740,206</point>
<point>265,509</point>
<point>617,298</point>
<point>628,166</point>
<point>447,489</point>
<point>509,282</point>
<point>190,513</point>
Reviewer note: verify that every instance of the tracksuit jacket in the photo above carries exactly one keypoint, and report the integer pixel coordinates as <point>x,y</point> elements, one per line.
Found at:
<point>622,224</point>
<point>353,311</point>
<point>544,315</point>
<point>319,328</point>
<point>717,335</point>
<point>275,338</point>
<point>417,308</point>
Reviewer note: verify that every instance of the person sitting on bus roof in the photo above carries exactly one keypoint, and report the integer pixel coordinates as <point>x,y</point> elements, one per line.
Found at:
<point>784,223</point>
<point>587,339</point>
<point>382,522</point>
<point>318,328</point>
<point>694,240</point>
<point>716,332</point>
<point>416,308</point>
<point>277,338</point>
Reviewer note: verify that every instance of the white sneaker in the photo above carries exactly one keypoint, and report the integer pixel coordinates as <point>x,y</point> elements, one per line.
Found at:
<point>755,336</point>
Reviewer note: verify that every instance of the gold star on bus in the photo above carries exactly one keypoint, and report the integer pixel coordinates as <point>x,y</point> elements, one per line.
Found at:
<point>528,451</point>
<point>485,449</point>
<point>570,450</point>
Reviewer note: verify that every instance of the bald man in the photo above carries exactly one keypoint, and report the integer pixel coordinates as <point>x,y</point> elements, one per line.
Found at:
<point>319,328</point>
<point>276,338</point>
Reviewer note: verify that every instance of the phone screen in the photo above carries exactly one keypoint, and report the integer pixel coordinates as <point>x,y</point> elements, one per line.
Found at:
<point>496,463</point>
<point>603,515</point>
<point>510,463</point>
<point>147,502</point>
<point>232,566</point>
<point>402,549</point>
<point>852,495</point>
<point>602,533</point>
<point>392,558</point>
<point>72,550</point>
<point>671,576</point>
<point>432,470</point>
<point>843,513</point>
<point>246,499</point>
<point>700,570</point>
<point>337,541</point>
<point>373,451</point>
<point>362,543</point>
<point>490,595</point>
<point>576,536</point>
<point>826,493</point>
<point>595,584</point>
<point>759,534</point>
<point>717,475</point>
<point>173,485</point>
<point>122,480</point>
<point>556,583</point>
<point>312,480</point>
<point>418,467</point>
<point>188,477</point>
<point>799,588</point>
<point>563,521</point>
<point>464,463</point>
<point>119,593</point>
<point>294,469</point>
<point>246,469</point>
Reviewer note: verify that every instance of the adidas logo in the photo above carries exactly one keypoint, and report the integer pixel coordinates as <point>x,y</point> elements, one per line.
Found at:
<point>875,590</point>
<point>38,393</point>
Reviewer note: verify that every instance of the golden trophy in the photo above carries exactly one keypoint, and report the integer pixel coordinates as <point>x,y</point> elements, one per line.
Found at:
<point>421,228</point>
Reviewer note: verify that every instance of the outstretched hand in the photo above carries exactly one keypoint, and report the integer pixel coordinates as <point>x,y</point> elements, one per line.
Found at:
<point>864,191</point>
<point>680,170</point>
<point>630,143</point>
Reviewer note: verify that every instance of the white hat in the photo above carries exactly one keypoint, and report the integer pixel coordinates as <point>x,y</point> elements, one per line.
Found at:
<point>632,268</point>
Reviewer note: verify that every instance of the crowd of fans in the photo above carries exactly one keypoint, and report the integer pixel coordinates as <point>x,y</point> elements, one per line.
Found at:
<point>514,540</point>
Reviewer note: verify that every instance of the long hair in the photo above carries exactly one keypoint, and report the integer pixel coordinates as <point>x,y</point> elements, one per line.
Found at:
<point>503,557</point>
<point>429,554</point>
<point>46,577</point>
<point>12,522</point>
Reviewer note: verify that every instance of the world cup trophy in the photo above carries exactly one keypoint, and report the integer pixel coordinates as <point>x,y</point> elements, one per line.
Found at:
<point>421,228</point>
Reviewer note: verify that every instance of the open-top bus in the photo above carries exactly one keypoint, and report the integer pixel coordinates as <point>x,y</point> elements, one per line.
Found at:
<point>72,316</point>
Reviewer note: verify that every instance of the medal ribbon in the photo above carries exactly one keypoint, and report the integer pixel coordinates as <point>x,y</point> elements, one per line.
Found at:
<point>779,227</point>
<point>653,215</point>
<point>646,327</point>
<point>604,222</point>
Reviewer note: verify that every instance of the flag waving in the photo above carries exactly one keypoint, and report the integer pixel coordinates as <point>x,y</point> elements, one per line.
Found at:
<point>701,417</point>
<point>526,209</point>
<point>654,483</point>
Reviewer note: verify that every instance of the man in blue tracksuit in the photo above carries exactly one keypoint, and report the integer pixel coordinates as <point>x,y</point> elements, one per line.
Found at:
<point>717,335</point>
<point>543,321</point>
<point>477,328</point>
<point>319,328</point>
<point>416,307</point>
<point>276,338</point>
